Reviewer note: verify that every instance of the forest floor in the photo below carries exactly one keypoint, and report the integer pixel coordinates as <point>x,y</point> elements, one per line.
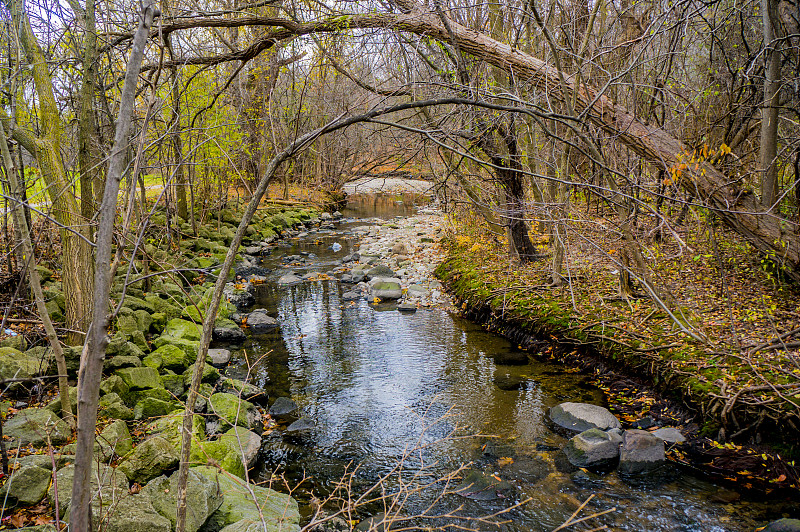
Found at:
<point>740,373</point>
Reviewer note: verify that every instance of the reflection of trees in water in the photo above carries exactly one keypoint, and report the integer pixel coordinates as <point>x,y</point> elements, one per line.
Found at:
<point>384,205</point>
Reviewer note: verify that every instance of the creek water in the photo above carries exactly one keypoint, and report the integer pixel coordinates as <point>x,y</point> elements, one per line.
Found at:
<point>385,388</point>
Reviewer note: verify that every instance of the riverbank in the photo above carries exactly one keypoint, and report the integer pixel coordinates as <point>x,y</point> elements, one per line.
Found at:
<point>575,325</point>
<point>148,367</point>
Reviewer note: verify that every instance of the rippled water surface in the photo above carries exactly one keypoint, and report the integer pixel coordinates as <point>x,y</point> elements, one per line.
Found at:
<point>385,387</point>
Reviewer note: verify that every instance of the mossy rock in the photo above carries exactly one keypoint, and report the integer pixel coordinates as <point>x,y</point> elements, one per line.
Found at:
<point>178,329</point>
<point>280,512</point>
<point>140,378</point>
<point>137,303</point>
<point>233,411</point>
<point>174,384</point>
<point>173,357</point>
<point>210,374</point>
<point>150,459</point>
<point>151,407</point>
<point>170,428</point>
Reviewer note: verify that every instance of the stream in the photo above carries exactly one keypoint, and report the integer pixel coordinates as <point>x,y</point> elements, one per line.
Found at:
<point>426,390</point>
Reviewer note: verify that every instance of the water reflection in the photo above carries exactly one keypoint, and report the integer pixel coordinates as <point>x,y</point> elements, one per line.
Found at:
<point>377,383</point>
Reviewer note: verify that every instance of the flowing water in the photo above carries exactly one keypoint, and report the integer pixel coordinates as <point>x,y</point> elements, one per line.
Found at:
<point>386,388</point>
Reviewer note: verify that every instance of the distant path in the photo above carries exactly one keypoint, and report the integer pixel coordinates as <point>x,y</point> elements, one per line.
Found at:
<point>367,185</point>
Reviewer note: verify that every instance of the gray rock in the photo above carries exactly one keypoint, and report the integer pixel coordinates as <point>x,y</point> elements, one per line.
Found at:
<point>301,425</point>
<point>27,486</point>
<point>351,296</point>
<point>33,426</point>
<point>115,439</point>
<point>380,270</point>
<point>289,279</point>
<point>407,307</point>
<point>108,487</point>
<point>641,452</point>
<point>219,357</point>
<point>783,525</point>
<point>238,297</point>
<point>150,459</point>
<point>259,321</point>
<point>352,257</point>
<point>669,435</point>
<point>416,290</point>
<point>135,513</point>
<point>579,417</point>
<point>203,498</point>
<point>386,288</point>
<point>592,448</point>
<point>229,335</point>
<point>283,409</point>
<point>245,443</point>
<point>118,362</point>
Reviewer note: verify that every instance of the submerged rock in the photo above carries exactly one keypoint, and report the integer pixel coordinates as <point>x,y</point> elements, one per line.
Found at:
<point>480,487</point>
<point>592,448</point>
<point>579,417</point>
<point>783,525</point>
<point>289,279</point>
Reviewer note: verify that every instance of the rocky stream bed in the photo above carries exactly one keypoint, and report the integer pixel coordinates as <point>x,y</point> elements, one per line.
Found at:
<point>335,349</point>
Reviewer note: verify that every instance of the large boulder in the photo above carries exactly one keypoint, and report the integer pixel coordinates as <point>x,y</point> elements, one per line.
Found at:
<point>203,497</point>
<point>233,411</point>
<point>108,486</point>
<point>26,487</point>
<point>641,452</point>
<point>134,513</point>
<point>280,512</point>
<point>579,417</point>
<point>151,407</point>
<point>36,426</point>
<point>15,364</point>
<point>150,459</point>
<point>592,448</point>
<point>219,454</point>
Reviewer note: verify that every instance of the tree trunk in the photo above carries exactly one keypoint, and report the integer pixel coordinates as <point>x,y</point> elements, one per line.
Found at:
<point>769,112</point>
<point>28,260</point>
<point>87,123</point>
<point>76,248</point>
<point>91,368</point>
